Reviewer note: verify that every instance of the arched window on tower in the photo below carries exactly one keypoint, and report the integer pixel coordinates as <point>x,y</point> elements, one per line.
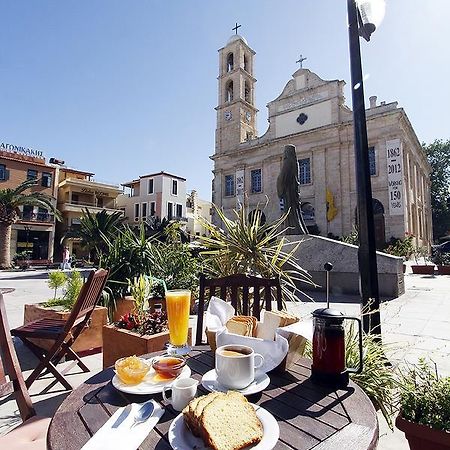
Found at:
<point>229,92</point>
<point>246,65</point>
<point>247,96</point>
<point>230,62</point>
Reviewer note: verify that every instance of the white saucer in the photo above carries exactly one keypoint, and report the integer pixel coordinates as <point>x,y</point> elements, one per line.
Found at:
<point>148,385</point>
<point>209,382</point>
<point>181,438</point>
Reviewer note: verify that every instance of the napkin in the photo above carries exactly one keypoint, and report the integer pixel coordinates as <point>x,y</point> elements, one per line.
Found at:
<point>122,436</point>
<point>217,315</point>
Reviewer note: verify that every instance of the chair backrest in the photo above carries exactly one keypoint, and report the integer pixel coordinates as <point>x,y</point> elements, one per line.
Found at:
<point>9,365</point>
<point>87,299</point>
<point>236,288</point>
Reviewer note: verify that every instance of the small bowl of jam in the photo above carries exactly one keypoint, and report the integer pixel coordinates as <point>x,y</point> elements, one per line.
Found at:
<point>168,366</point>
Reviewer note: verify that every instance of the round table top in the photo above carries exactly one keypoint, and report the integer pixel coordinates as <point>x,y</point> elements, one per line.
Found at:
<point>6,290</point>
<point>309,416</point>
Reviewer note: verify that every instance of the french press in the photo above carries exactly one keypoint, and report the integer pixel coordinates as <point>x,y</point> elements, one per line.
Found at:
<point>328,346</point>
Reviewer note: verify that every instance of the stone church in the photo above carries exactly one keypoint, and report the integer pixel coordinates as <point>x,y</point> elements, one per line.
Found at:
<point>311,114</point>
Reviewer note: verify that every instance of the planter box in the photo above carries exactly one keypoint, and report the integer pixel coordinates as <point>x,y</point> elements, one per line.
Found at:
<point>120,343</point>
<point>423,269</point>
<point>90,339</point>
<point>125,305</point>
<point>421,437</point>
<point>443,270</point>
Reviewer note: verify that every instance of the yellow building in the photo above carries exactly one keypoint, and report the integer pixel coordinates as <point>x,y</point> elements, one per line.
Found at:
<point>78,191</point>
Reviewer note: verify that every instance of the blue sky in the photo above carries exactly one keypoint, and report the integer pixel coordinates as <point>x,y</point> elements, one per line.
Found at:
<point>124,88</point>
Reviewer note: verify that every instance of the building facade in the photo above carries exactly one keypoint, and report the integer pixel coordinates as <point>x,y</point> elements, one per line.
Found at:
<point>158,194</point>
<point>311,114</point>
<point>78,191</point>
<point>197,208</point>
<point>35,230</point>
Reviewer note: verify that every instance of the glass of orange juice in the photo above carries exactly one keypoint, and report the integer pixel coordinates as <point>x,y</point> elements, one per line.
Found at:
<point>178,304</point>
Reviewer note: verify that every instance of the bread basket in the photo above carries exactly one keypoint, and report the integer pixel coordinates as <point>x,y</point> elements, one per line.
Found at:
<point>211,337</point>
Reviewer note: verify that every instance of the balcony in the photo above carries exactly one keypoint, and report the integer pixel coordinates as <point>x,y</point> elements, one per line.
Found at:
<point>79,206</point>
<point>37,217</point>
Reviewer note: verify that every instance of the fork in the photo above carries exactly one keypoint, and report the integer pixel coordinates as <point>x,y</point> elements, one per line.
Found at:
<point>143,413</point>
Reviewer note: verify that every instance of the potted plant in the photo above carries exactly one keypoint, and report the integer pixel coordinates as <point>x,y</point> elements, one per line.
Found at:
<point>442,260</point>
<point>246,244</point>
<point>22,259</point>
<point>59,307</point>
<point>139,331</point>
<point>422,269</point>
<point>132,254</point>
<point>402,248</point>
<point>424,414</point>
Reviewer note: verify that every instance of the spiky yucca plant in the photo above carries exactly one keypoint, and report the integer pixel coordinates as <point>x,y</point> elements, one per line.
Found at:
<point>245,245</point>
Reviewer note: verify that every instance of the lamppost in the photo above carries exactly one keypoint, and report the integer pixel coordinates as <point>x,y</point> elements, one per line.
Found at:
<point>363,18</point>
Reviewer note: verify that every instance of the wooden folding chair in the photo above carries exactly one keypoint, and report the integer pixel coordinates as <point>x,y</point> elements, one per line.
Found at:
<point>236,288</point>
<point>63,333</point>
<point>32,433</point>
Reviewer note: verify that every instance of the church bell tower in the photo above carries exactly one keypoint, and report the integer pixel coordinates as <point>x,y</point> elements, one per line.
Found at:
<point>236,112</point>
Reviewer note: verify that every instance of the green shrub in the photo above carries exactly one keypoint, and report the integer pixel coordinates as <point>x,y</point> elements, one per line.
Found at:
<point>403,248</point>
<point>425,396</point>
<point>56,280</point>
<point>73,285</point>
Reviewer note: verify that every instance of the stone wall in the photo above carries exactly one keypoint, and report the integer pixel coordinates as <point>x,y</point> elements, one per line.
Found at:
<point>315,251</point>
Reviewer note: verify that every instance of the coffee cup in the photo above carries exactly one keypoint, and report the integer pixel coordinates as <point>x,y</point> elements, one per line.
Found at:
<point>183,391</point>
<point>235,365</point>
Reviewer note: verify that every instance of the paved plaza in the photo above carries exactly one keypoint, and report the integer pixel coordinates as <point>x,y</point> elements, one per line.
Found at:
<point>415,324</point>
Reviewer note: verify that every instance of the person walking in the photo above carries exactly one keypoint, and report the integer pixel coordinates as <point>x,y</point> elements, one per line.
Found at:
<point>66,259</point>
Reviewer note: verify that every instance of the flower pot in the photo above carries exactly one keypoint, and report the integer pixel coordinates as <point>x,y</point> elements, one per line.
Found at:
<point>126,304</point>
<point>423,269</point>
<point>421,437</point>
<point>90,339</point>
<point>443,270</point>
<point>120,343</point>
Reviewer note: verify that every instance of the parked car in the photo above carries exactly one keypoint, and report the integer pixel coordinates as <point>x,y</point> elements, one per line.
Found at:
<point>442,248</point>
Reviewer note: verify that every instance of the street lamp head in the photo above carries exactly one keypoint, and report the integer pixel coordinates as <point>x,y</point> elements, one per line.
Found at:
<point>371,14</point>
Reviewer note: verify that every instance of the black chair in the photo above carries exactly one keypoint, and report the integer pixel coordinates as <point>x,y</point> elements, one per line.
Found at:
<point>238,289</point>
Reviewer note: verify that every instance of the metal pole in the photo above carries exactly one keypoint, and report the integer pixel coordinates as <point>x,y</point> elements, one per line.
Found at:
<point>370,301</point>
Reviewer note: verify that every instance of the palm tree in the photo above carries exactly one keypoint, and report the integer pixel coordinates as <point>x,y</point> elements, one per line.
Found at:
<point>10,201</point>
<point>95,230</point>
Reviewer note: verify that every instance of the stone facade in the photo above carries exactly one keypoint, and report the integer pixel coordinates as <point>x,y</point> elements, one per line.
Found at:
<point>311,114</point>
<point>195,208</point>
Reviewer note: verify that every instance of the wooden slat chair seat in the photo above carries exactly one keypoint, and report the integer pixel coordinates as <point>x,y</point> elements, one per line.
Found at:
<point>42,328</point>
<point>63,333</point>
<point>32,433</point>
<point>239,289</point>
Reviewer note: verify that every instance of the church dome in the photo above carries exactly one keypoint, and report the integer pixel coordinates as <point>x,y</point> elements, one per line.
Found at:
<point>236,37</point>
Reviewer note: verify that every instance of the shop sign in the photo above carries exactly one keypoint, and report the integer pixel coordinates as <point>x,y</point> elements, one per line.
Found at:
<point>21,150</point>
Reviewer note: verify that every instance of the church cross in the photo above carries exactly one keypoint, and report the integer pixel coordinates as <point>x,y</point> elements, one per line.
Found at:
<point>301,59</point>
<point>236,27</point>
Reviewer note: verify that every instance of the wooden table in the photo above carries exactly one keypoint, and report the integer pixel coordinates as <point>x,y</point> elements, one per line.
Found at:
<point>309,416</point>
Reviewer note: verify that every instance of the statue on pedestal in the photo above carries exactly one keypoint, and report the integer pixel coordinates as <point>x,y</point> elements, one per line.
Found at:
<point>288,192</point>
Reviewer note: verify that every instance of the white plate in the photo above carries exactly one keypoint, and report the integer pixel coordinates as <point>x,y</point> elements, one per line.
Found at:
<point>209,382</point>
<point>148,385</point>
<point>181,438</point>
